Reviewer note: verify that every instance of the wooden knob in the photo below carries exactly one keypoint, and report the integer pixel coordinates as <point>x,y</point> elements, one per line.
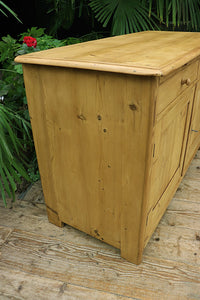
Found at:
<point>186,81</point>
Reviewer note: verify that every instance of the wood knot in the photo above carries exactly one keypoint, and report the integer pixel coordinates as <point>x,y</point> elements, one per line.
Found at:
<point>96,232</point>
<point>133,107</point>
<point>81,117</point>
<point>197,237</point>
<point>20,288</point>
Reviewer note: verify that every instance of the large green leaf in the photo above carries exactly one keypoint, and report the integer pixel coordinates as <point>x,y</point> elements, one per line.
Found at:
<point>178,13</point>
<point>9,10</point>
<point>61,14</point>
<point>11,149</point>
<point>126,16</point>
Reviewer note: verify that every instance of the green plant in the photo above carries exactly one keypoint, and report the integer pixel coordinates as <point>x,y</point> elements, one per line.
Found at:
<point>61,14</point>
<point>5,7</point>
<point>17,152</point>
<point>12,87</point>
<point>57,15</point>
<point>125,16</point>
<point>11,151</point>
<point>122,16</point>
<point>185,13</point>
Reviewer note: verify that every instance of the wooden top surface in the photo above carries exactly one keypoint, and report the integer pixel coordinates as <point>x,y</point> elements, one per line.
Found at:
<point>153,53</point>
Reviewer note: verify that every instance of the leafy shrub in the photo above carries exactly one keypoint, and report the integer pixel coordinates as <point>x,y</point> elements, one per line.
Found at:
<point>17,152</point>
<point>11,151</point>
<point>4,9</point>
<point>136,15</point>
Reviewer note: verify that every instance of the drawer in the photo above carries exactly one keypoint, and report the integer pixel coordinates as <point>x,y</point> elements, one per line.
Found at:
<point>175,85</point>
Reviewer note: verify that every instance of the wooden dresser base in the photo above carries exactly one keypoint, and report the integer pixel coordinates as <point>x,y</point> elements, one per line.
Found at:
<point>115,124</point>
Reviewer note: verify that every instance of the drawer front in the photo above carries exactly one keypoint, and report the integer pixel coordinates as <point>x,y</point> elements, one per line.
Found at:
<point>175,85</point>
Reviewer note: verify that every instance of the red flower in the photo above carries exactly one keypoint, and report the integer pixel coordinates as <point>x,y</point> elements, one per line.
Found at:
<point>30,41</point>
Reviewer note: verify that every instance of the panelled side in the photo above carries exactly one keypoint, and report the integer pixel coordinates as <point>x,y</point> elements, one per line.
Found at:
<point>91,131</point>
<point>86,110</point>
<point>168,149</point>
<point>194,130</point>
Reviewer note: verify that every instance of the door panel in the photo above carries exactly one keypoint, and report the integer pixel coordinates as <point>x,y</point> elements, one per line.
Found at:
<point>194,131</point>
<point>169,146</point>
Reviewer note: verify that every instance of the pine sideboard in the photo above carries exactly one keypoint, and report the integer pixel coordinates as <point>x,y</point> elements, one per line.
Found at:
<point>116,123</point>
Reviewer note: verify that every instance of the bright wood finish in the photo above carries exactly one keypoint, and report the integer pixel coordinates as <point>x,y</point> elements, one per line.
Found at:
<point>112,148</point>
<point>145,53</point>
<point>180,82</point>
<point>170,136</point>
<point>194,133</point>
<point>42,261</point>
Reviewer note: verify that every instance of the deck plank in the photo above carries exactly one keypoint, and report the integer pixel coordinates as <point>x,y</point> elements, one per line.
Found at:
<point>32,217</point>
<point>43,258</point>
<point>182,213</point>
<point>4,234</point>
<point>16,284</point>
<point>193,171</point>
<point>99,269</point>
<point>178,244</point>
<point>189,189</point>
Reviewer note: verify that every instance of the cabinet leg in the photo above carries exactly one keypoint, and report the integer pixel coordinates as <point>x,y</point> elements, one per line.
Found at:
<point>131,249</point>
<point>135,259</point>
<point>54,218</point>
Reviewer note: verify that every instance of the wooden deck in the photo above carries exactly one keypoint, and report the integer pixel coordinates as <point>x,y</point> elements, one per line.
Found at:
<point>41,261</point>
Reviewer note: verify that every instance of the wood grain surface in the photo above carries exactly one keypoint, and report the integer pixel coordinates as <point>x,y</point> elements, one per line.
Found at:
<point>151,53</point>
<point>88,136</point>
<point>40,259</point>
<point>15,284</point>
<point>112,148</point>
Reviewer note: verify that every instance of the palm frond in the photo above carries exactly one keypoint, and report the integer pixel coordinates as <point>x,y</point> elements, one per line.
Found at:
<point>124,16</point>
<point>9,10</point>
<point>61,13</point>
<point>177,13</point>
<point>11,148</point>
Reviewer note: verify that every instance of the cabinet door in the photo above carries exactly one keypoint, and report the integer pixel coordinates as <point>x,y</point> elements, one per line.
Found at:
<point>168,147</point>
<point>194,131</point>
